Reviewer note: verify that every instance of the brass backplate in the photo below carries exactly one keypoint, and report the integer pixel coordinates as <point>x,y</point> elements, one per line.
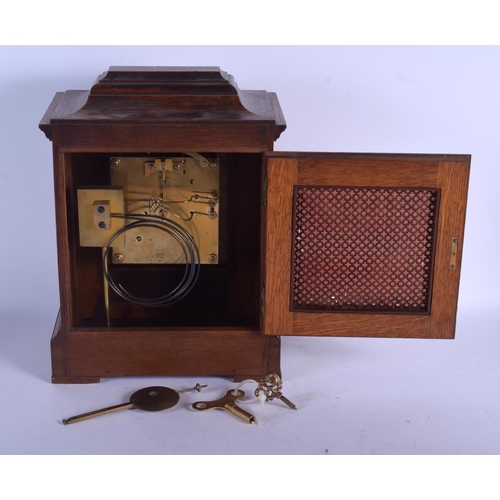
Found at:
<point>184,190</point>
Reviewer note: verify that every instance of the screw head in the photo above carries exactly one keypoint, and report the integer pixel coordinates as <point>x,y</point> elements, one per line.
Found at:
<point>138,238</point>
<point>213,258</point>
<point>102,225</point>
<point>151,166</point>
<point>177,166</point>
<point>115,162</point>
<point>117,257</point>
<point>100,209</point>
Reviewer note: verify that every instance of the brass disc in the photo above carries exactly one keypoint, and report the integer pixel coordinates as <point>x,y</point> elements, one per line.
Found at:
<point>155,398</point>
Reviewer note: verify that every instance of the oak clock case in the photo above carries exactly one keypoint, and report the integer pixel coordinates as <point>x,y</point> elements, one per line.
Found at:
<point>186,246</point>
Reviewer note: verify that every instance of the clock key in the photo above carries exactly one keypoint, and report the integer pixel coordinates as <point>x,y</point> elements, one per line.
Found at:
<point>153,398</point>
<point>228,402</point>
<point>271,386</point>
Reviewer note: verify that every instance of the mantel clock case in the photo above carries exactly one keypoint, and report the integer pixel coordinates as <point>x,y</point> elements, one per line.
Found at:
<point>186,246</point>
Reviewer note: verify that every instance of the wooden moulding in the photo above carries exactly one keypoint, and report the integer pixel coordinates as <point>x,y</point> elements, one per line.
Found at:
<point>128,138</point>
<point>164,108</point>
<point>84,355</point>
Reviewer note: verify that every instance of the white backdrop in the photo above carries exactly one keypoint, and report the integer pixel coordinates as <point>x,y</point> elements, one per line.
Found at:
<point>355,396</point>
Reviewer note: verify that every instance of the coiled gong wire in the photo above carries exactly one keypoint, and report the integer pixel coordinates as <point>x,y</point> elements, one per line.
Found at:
<point>181,236</point>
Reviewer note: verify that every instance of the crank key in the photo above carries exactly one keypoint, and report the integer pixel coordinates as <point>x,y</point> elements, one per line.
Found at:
<point>228,402</point>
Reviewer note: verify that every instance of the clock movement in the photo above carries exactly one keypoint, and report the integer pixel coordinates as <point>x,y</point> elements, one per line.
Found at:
<point>186,246</point>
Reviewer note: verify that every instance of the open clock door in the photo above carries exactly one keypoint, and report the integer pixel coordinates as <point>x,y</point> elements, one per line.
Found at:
<point>363,245</point>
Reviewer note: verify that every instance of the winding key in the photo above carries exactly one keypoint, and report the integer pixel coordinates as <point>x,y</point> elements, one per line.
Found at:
<point>154,398</point>
<point>228,402</point>
<point>271,386</point>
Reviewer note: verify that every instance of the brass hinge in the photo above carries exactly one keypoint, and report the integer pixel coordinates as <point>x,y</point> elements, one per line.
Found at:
<point>264,192</point>
<point>262,299</point>
<point>454,251</point>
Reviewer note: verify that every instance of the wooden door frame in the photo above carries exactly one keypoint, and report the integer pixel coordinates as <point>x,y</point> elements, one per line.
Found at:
<point>284,171</point>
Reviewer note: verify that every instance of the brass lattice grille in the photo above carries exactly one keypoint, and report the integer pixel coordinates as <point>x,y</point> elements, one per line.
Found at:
<point>363,249</point>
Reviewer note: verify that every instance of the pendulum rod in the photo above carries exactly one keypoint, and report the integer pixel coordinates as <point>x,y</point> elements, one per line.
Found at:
<point>106,296</point>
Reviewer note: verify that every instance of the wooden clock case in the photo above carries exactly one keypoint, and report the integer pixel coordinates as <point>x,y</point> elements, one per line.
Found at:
<point>309,243</point>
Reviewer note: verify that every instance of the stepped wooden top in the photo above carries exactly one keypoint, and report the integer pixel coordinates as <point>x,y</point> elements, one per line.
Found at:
<point>165,95</point>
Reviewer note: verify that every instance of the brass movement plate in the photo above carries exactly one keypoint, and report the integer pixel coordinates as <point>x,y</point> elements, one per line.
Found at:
<point>184,190</point>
